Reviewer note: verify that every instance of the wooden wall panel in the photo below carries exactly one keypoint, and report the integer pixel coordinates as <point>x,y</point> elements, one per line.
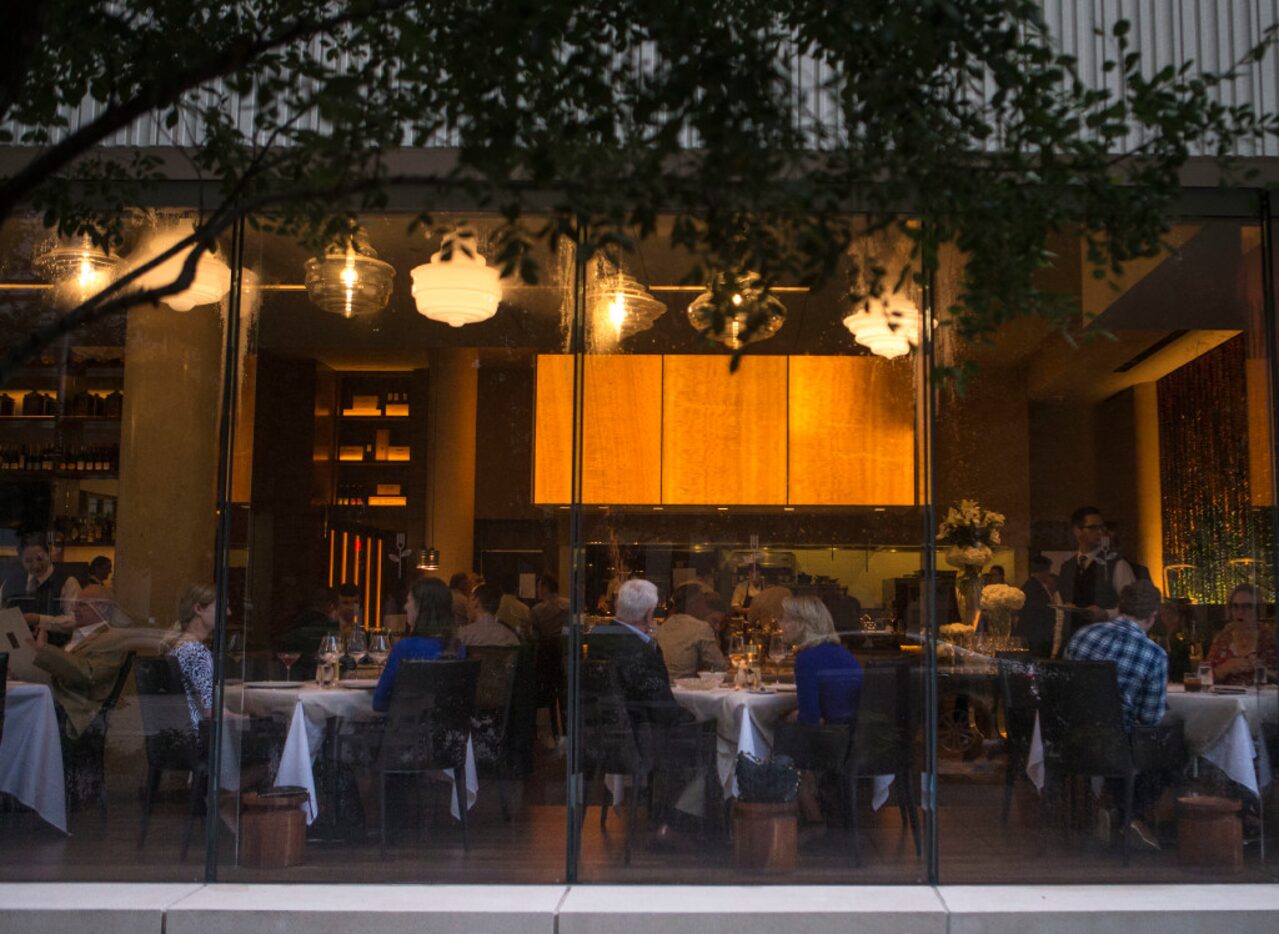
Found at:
<point>852,437</point>
<point>553,436</point>
<point>724,434</point>
<point>622,432</point>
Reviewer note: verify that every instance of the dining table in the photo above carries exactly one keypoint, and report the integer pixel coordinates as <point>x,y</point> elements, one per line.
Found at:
<point>31,752</point>
<point>745,722</point>
<point>1219,727</point>
<point>307,709</point>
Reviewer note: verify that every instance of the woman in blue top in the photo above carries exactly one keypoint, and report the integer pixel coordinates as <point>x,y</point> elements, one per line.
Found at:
<point>828,679</point>
<point>429,608</point>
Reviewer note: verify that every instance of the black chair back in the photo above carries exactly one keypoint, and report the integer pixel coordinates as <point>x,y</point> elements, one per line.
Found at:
<point>883,742</point>
<point>170,737</point>
<point>1019,693</point>
<point>814,747</point>
<point>493,693</point>
<point>609,742</point>
<point>4,686</point>
<point>1081,718</point>
<point>428,721</point>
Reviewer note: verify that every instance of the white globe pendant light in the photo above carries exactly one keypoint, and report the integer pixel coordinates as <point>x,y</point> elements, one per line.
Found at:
<point>462,289</point>
<point>212,278</point>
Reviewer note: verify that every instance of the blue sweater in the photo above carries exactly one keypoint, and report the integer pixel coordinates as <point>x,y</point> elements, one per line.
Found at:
<point>828,680</point>
<point>414,647</point>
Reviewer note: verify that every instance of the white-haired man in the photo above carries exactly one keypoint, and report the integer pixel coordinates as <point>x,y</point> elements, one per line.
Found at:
<point>628,642</point>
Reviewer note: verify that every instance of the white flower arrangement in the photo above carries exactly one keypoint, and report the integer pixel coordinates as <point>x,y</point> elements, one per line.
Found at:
<point>969,531</point>
<point>1002,597</point>
<point>957,629</point>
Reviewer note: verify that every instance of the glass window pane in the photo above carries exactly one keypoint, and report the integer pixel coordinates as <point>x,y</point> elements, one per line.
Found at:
<point>709,498</point>
<point>1131,459</point>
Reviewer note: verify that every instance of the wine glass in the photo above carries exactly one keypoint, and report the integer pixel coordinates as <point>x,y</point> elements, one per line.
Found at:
<point>328,654</point>
<point>356,645</point>
<point>379,648</point>
<point>777,649</point>
<point>235,648</point>
<point>288,660</point>
<point>736,651</point>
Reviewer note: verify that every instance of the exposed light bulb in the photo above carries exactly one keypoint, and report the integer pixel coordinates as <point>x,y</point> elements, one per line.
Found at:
<point>617,313</point>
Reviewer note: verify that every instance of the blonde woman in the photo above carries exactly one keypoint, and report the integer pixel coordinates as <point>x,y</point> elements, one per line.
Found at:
<point>828,679</point>
<point>196,621</point>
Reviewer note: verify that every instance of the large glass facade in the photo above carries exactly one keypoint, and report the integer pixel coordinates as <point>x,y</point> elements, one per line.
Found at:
<point>548,595</point>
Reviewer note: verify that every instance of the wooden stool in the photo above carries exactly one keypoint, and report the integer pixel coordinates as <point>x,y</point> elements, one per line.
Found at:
<point>1209,833</point>
<point>273,828</point>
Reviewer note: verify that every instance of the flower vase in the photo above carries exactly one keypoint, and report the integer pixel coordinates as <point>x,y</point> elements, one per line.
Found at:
<point>968,587</point>
<point>997,624</point>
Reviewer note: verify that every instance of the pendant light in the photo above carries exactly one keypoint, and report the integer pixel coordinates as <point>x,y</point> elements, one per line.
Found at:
<point>617,303</point>
<point>212,279</point>
<point>747,303</point>
<point>349,282</point>
<point>77,269</point>
<point>886,327</point>
<point>462,289</point>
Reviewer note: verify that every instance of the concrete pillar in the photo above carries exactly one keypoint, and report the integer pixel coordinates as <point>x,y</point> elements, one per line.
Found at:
<point>168,458</point>
<point>451,457</point>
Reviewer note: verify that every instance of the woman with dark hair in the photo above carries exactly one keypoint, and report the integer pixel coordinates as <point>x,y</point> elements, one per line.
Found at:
<point>429,607</point>
<point>1245,644</point>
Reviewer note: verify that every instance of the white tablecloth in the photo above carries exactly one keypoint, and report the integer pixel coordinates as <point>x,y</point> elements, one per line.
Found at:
<point>744,722</point>
<point>1218,727</point>
<point>307,709</point>
<point>30,753</point>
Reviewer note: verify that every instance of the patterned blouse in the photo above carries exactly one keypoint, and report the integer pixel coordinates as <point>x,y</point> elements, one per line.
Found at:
<point>1223,650</point>
<point>196,662</point>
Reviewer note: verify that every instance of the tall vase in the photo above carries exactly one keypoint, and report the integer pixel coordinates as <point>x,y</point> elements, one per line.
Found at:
<point>997,623</point>
<point>968,587</point>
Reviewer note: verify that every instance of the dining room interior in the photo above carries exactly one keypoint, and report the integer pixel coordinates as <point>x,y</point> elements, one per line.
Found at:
<point>290,467</point>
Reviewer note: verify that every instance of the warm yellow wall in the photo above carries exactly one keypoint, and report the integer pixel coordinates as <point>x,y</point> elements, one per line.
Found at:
<point>723,433</point>
<point>684,430</point>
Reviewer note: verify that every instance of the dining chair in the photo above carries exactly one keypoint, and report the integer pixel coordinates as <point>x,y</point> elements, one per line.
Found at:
<point>492,725</point>
<point>611,744</point>
<point>428,727</point>
<point>1019,697</point>
<point>171,742</point>
<point>84,758</point>
<point>1081,721</point>
<point>825,749</point>
<point>4,686</point>
<point>884,738</point>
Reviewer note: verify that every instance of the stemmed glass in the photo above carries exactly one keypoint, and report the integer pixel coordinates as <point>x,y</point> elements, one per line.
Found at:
<point>235,649</point>
<point>329,653</point>
<point>736,651</point>
<point>288,660</point>
<point>379,648</point>
<point>777,649</point>
<point>355,645</point>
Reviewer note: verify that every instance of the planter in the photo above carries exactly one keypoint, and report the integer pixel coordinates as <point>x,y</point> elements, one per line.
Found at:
<point>273,828</point>
<point>764,836</point>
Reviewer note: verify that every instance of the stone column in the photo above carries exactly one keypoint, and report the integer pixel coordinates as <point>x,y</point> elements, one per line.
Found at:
<point>451,457</point>
<point>168,458</point>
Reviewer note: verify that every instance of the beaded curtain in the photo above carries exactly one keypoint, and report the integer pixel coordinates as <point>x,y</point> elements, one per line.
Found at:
<point>1209,521</point>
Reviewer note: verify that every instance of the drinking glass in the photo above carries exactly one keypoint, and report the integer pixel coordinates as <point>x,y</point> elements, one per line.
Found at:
<point>776,649</point>
<point>1205,675</point>
<point>288,660</point>
<point>379,648</point>
<point>235,649</point>
<point>355,645</point>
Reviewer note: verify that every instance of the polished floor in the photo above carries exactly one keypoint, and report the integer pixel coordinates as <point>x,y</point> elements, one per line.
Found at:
<point>975,846</point>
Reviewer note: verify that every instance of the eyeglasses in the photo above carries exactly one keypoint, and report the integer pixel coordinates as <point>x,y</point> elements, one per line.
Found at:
<point>1243,606</point>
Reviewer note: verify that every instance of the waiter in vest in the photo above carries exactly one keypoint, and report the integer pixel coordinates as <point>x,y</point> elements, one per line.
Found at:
<point>1093,578</point>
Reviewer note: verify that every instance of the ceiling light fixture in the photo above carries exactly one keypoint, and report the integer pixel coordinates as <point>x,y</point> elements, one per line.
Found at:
<point>462,289</point>
<point>618,303</point>
<point>77,269</point>
<point>747,304</point>
<point>212,279</point>
<point>887,327</point>
<point>350,282</point>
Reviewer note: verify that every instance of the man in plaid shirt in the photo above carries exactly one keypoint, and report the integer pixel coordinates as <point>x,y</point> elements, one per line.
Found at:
<point>1140,663</point>
<point>1141,667</point>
